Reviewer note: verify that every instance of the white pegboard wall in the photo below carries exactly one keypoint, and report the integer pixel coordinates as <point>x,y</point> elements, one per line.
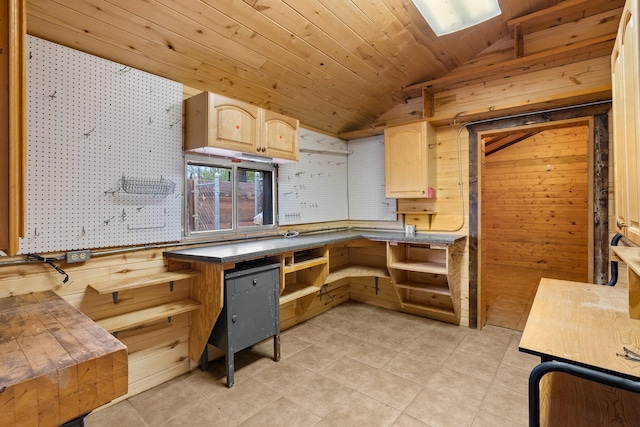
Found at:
<point>315,188</point>
<point>92,122</point>
<point>367,201</point>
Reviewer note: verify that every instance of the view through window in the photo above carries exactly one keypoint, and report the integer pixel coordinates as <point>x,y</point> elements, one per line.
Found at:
<point>224,195</point>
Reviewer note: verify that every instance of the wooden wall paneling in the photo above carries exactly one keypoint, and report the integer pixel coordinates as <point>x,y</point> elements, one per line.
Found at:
<point>576,83</point>
<point>505,177</point>
<point>363,289</point>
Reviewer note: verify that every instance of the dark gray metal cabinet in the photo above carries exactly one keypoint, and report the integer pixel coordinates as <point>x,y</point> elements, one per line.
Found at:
<point>251,311</point>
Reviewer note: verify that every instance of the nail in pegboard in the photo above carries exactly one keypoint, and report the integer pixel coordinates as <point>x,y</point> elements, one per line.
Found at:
<point>89,123</point>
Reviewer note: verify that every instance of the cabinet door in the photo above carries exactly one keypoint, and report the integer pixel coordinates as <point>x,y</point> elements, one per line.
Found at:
<point>280,136</point>
<point>217,122</point>
<point>625,79</point>
<point>408,160</point>
<point>234,125</point>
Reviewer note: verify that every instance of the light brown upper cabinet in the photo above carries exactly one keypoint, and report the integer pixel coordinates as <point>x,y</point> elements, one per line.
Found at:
<point>410,160</point>
<point>280,137</point>
<point>228,126</point>
<point>625,63</point>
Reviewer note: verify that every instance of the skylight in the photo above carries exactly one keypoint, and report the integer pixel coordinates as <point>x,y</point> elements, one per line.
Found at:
<point>449,16</point>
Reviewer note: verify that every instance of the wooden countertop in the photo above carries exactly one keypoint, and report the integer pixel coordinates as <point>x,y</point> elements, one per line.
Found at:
<point>56,364</point>
<point>583,324</point>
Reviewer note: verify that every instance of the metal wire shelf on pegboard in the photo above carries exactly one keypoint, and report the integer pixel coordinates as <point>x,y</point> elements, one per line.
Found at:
<point>153,186</point>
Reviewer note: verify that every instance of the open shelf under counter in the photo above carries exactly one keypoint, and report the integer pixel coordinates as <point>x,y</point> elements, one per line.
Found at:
<point>356,271</point>
<point>420,266</point>
<point>304,264</point>
<point>293,291</point>
<point>434,288</point>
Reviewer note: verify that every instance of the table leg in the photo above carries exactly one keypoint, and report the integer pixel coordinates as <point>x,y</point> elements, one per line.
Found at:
<point>276,347</point>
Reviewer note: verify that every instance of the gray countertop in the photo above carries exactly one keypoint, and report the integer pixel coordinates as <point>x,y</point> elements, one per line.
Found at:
<point>251,249</point>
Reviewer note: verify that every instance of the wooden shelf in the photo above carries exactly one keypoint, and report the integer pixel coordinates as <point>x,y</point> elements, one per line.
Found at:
<point>140,282</point>
<point>147,315</point>
<point>357,271</point>
<point>435,312</point>
<point>434,288</point>
<point>420,266</point>
<point>293,291</point>
<point>304,264</point>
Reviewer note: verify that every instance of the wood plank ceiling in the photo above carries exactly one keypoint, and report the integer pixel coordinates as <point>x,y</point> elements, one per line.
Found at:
<point>336,65</point>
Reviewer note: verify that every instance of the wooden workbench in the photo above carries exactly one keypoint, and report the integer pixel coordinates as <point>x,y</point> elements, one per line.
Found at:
<point>584,325</point>
<point>56,364</point>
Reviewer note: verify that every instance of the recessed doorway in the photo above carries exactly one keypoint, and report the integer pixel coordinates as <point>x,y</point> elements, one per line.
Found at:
<point>534,218</point>
<point>503,134</point>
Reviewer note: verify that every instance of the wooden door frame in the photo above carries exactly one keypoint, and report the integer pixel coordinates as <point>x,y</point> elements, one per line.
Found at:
<point>600,155</point>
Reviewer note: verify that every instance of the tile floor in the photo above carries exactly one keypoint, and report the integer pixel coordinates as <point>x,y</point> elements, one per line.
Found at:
<point>355,365</point>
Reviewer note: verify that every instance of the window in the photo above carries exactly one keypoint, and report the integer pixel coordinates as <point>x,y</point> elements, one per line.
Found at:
<point>228,196</point>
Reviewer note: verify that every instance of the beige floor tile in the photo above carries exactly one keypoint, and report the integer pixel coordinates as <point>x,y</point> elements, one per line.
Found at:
<point>289,345</point>
<point>514,357</point>
<point>488,343</point>
<point>360,410</point>
<point>308,331</point>
<point>486,419</point>
<point>282,413</point>
<point>206,414</point>
<point>407,421</point>
<point>412,366</point>
<point>507,403</point>
<point>372,355</point>
<point>283,376</point>
<point>316,357</point>
<point>152,404</point>
<point>245,399</point>
<point>436,351</point>
<point>390,389</point>
<point>349,372</point>
<point>208,383</point>
<point>339,342</point>
<point>480,367</point>
<point>394,339</point>
<point>449,399</point>
<point>319,394</point>
<point>513,378</point>
<point>121,414</point>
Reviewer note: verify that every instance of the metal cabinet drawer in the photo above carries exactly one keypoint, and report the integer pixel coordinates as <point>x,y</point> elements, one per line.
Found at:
<point>249,280</point>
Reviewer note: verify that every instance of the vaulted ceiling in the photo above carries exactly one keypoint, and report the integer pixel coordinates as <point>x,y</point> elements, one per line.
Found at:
<point>336,65</point>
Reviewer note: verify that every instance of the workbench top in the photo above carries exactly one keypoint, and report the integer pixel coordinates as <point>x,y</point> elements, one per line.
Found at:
<point>244,250</point>
<point>56,364</point>
<point>583,324</point>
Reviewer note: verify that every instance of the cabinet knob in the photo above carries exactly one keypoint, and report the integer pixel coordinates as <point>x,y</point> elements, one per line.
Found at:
<point>255,282</point>
<point>620,224</point>
<point>234,317</point>
<point>264,149</point>
<point>258,149</point>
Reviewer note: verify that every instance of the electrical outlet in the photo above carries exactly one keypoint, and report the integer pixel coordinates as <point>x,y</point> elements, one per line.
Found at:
<point>78,256</point>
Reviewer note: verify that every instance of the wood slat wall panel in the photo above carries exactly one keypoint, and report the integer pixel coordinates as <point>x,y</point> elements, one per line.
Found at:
<point>534,217</point>
<point>585,80</point>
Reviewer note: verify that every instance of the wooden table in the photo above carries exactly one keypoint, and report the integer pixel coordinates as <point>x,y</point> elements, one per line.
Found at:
<point>56,364</point>
<point>580,329</point>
